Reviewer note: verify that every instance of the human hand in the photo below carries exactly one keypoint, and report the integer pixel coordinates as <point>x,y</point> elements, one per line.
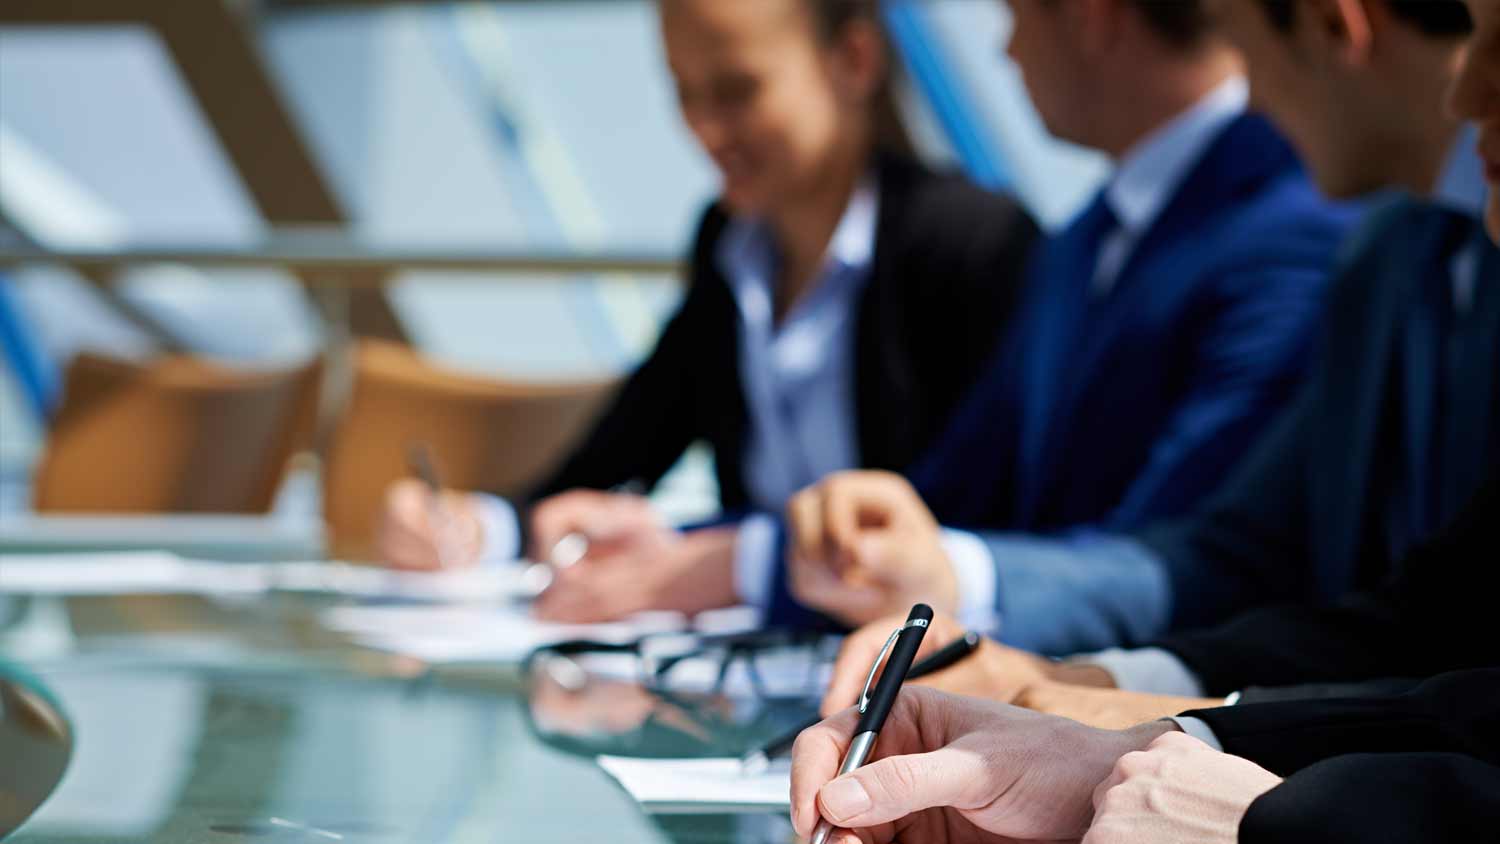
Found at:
<point>864,546</point>
<point>955,769</point>
<point>610,520</point>
<point>419,533</point>
<point>1178,791</point>
<point>667,571</point>
<point>1111,709</point>
<point>993,671</point>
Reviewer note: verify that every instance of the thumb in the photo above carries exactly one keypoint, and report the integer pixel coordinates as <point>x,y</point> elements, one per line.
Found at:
<point>893,788</point>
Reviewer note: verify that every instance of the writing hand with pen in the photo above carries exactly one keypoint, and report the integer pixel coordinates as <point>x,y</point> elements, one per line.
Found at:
<point>919,765</point>
<point>954,770</point>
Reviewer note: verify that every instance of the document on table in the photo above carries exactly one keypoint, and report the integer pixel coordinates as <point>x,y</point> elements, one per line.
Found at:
<point>684,786</point>
<point>134,573</point>
<point>478,634</point>
<point>162,573</point>
<point>475,585</point>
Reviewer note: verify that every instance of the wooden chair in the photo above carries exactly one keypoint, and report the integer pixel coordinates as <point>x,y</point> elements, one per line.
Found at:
<point>176,435</point>
<point>483,433</point>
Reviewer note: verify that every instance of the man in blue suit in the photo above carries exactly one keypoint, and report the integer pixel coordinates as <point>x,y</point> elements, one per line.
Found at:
<point>1165,327</point>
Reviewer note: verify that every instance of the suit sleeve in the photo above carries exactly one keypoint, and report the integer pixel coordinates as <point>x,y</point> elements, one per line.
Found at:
<point>1252,344</point>
<point>1452,713</point>
<point>1364,798</point>
<point>1088,590</point>
<point>1418,625</point>
<point>656,414</point>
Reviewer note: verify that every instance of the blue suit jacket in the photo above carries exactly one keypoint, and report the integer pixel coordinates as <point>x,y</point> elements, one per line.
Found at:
<point>1108,414</point>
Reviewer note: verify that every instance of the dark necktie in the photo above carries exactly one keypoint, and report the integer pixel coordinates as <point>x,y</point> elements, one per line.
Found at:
<point>1066,285</point>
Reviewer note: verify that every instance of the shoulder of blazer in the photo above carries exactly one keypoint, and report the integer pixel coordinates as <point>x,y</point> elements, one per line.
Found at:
<point>705,288</point>
<point>1374,264</point>
<point>926,213</point>
<point>703,264</point>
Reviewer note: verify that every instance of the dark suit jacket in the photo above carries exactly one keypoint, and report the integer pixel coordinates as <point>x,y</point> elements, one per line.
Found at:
<point>1112,412</point>
<point>1435,616</point>
<point>1307,517</point>
<point>947,268</point>
<point>1103,413</point>
<point>1419,766</point>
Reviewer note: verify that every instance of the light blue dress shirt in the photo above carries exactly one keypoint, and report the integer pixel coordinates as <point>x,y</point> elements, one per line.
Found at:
<point>798,375</point>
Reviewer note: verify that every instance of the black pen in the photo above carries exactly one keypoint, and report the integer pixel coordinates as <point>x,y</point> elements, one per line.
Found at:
<point>875,706</point>
<point>951,653</point>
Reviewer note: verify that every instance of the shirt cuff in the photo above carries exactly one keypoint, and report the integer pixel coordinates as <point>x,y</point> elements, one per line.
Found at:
<point>1198,729</point>
<point>1151,670</point>
<point>974,569</point>
<point>755,560</point>
<point>500,529</point>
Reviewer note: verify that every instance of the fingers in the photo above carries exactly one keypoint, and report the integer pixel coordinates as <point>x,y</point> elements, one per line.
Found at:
<point>603,517</point>
<point>405,538</point>
<point>840,516</point>
<point>893,788</point>
<point>589,593</point>
<point>852,666</point>
<point>817,586</point>
<point>816,757</point>
<point>804,516</point>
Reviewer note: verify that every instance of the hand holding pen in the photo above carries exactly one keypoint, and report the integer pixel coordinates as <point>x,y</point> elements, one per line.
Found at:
<point>875,704</point>
<point>424,527</point>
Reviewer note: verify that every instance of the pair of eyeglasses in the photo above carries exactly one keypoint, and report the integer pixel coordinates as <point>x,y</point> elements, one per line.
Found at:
<point>763,664</point>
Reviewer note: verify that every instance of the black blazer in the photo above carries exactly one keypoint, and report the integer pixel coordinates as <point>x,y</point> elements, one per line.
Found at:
<point>948,264</point>
<point>1418,766</point>
<point>1304,518</point>
<point>1434,617</point>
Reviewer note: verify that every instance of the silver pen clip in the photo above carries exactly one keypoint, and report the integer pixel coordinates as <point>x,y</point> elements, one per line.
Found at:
<point>864,695</point>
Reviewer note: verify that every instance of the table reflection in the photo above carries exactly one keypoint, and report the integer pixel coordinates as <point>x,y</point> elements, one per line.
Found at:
<point>263,730</point>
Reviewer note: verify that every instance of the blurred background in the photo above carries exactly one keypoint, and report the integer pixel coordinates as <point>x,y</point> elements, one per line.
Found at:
<point>293,195</point>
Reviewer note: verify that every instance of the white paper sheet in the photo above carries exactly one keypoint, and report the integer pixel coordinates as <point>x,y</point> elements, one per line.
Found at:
<point>136,573</point>
<point>162,573</point>
<point>700,785</point>
<point>477,634</point>
<point>485,584</point>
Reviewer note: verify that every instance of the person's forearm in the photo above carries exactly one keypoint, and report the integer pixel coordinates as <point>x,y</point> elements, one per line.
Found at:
<point>1078,593</point>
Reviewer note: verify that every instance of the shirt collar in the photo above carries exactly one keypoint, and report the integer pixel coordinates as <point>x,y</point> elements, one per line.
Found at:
<point>748,241</point>
<point>1461,185</point>
<point>1149,174</point>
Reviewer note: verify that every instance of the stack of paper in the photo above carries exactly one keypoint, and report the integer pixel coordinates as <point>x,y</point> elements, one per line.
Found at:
<point>685,786</point>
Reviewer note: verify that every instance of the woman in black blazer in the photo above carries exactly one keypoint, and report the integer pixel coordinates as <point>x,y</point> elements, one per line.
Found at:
<point>792,101</point>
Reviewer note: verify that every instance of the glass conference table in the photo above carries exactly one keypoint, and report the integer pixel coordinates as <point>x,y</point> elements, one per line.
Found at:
<point>205,720</point>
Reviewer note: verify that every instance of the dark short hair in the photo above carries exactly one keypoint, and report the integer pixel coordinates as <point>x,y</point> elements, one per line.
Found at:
<point>1181,23</point>
<point>1437,18</point>
<point>1184,23</point>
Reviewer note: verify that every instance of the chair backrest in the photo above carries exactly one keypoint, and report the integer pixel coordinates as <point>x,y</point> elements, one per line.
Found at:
<point>175,435</point>
<point>486,434</point>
